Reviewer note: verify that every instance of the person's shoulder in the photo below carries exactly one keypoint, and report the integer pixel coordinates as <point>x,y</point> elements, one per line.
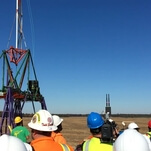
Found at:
<point>28,147</point>
<point>23,127</point>
<point>58,134</point>
<point>97,144</point>
<point>148,134</point>
<point>66,147</point>
<point>58,146</point>
<point>45,144</point>
<point>96,140</point>
<point>15,128</point>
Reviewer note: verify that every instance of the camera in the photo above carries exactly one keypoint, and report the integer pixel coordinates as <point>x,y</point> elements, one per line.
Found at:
<point>107,131</point>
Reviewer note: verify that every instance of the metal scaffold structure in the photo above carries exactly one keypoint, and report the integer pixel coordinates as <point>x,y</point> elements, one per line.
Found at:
<point>12,83</point>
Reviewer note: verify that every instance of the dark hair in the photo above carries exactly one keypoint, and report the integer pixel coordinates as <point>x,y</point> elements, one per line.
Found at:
<point>45,133</point>
<point>149,129</point>
<point>96,130</point>
<point>137,129</point>
<point>59,128</point>
<point>20,123</point>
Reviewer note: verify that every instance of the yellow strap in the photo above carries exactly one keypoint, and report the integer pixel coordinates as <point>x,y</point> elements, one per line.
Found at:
<point>65,147</point>
<point>10,128</point>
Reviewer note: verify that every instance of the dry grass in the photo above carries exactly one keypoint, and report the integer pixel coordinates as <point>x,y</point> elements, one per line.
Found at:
<point>75,128</point>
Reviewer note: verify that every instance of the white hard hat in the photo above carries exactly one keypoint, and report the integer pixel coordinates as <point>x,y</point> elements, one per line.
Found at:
<point>148,140</point>
<point>123,123</point>
<point>42,121</point>
<point>110,120</point>
<point>57,120</point>
<point>132,125</point>
<point>131,140</point>
<point>28,147</point>
<point>11,143</point>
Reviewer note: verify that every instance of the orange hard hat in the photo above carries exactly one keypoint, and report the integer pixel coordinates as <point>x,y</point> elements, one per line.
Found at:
<point>149,124</point>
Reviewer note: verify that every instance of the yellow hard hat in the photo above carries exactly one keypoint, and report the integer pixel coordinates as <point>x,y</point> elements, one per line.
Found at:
<point>18,119</point>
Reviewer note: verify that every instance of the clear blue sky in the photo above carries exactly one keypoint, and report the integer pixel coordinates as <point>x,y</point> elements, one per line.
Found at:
<point>84,49</point>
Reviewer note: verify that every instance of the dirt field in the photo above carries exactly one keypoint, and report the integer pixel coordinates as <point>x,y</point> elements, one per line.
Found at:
<point>75,128</point>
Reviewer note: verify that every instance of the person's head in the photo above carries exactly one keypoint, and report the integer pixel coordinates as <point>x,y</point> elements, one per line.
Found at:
<point>18,120</point>
<point>149,125</point>
<point>41,124</point>
<point>58,122</point>
<point>11,143</point>
<point>133,126</point>
<point>131,140</point>
<point>94,123</point>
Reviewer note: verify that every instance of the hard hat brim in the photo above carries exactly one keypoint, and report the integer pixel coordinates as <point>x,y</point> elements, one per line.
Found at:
<point>18,121</point>
<point>61,120</point>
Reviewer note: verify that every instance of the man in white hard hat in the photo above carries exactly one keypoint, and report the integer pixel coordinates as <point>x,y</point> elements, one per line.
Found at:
<point>42,125</point>
<point>136,127</point>
<point>57,135</point>
<point>131,140</point>
<point>11,143</point>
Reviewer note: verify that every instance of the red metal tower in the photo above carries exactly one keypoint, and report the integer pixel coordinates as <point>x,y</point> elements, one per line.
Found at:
<point>12,84</point>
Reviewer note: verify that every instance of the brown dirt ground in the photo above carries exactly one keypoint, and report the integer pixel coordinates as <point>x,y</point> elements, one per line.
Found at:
<point>75,128</point>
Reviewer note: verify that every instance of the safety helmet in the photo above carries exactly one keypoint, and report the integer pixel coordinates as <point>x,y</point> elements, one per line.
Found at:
<point>131,140</point>
<point>133,126</point>
<point>94,120</point>
<point>11,143</point>
<point>57,120</point>
<point>123,123</point>
<point>149,124</point>
<point>110,120</point>
<point>18,119</point>
<point>28,146</point>
<point>42,121</point>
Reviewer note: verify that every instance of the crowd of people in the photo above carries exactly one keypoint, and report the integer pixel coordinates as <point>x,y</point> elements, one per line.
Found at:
<point>46,135</point>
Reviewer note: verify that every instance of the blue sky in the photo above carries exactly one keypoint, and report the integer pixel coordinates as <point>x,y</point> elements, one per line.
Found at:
<point>84,49</point>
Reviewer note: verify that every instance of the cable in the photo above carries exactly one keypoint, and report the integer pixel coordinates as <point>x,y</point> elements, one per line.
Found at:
<point>32,25</point>
<point>11,32</point>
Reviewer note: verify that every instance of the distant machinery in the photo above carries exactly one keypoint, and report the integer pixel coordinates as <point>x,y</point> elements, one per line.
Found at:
<point>13,78</point>
<point>108,107</point>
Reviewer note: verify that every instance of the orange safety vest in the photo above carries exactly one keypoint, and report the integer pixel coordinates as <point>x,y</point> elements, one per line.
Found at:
<point>66,147</point>
<point>45,144</point>
<point>58,137</point>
